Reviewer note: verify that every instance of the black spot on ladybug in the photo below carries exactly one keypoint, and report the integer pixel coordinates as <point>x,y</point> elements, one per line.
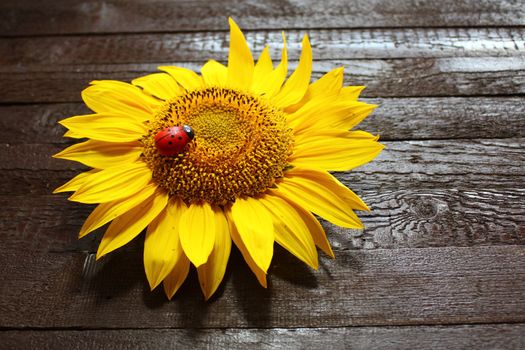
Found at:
<point>180,137</point>
<point>172,136</point>
<point>170,143</point>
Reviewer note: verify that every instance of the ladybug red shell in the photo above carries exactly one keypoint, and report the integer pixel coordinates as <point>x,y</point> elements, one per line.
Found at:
<point>172,140</point>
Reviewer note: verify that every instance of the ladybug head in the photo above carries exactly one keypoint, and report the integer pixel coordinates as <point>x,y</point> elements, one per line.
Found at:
<point>189,131</point>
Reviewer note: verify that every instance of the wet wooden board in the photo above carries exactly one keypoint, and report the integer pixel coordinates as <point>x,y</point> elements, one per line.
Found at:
<point>327,44</point>
<point>390,62</point>
<point>456,76</point>
<point>488,336</point>
<point>62,17</point>
<point>360,287</point>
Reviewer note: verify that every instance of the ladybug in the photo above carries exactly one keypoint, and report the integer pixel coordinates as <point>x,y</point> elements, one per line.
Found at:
<point>172,140</point>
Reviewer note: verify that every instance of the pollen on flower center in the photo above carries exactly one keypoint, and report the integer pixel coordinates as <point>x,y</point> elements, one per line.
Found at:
<point>241,146</point>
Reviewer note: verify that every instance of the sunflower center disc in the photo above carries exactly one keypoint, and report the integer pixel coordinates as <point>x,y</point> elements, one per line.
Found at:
<point>241,146</point>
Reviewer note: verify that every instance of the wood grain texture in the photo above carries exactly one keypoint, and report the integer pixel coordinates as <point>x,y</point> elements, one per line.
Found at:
<point>360,288</point>
<point>456,76</point>
<point>394,119</point>
<point>326,45</point>
<point>63,17</point>
<point>432,217</point>
<point>489,337</point>
<point>391,62</point>
<point>403,218</point>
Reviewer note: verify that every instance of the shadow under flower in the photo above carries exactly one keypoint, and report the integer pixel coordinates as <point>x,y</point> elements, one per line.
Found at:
<point>113,276</point>
<point>287,267</point>
<point>119,277</point>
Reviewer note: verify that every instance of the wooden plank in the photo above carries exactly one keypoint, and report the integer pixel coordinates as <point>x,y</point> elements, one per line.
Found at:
<point>360,288</point>
<point>404,164</point>
<point>489,337</point>
<point>326,44</point>
<point>40,122</point>
<point>457,76</point>
<point>401,218</point>
<point>62,17</point>
<point>395,119</point>
<point>415,217</point>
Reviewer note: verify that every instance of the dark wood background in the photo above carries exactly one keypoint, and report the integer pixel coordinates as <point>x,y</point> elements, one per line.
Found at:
<point>441,263</point>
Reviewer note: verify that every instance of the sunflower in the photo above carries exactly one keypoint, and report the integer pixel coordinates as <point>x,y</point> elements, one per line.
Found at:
<point>254,173</point>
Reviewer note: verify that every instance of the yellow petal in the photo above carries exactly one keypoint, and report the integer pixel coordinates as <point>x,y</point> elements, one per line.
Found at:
<point>329,112</point>
<point>263,69</point>
<point>110,127</point>
<point>334,153</point>
<point>106,212</point>
<point>328,85</point>
<point>162,248</point>
<point>314,227</point>
<point>113,183</point>
<point>127,226</point>
<point>214,73</point>
<point>73,134</point>
<point>101,155</point>
<point>110,96</point>
<point>212,272</point>
<point>197,232</point>
<point>240,60</point>
<point>320,193</point>
<point>160,85</point>
<point>329,182</point>
<point>76,182</point>
<point>296,86</point>
<point>257,271</point>
<point>354,116</point>
<point>291,231</point>
<point>176,277</point>
<point>187,78</point>
<point>274,81</point>
<point>351,92</point>
<point>360,134</point>
<point>304,138</point>
<point>255,227</point>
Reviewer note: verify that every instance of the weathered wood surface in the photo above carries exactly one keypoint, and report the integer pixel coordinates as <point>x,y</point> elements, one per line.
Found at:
<point>394,119</point>
<point>482,337</point>
<point>361,287</point>
<point>64,17</point>
<point>326,45</point>
<point>457,76</point>
<point>400,62</point>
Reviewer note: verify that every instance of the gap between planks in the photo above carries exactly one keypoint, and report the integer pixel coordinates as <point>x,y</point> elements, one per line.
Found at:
<point>168,328</point>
